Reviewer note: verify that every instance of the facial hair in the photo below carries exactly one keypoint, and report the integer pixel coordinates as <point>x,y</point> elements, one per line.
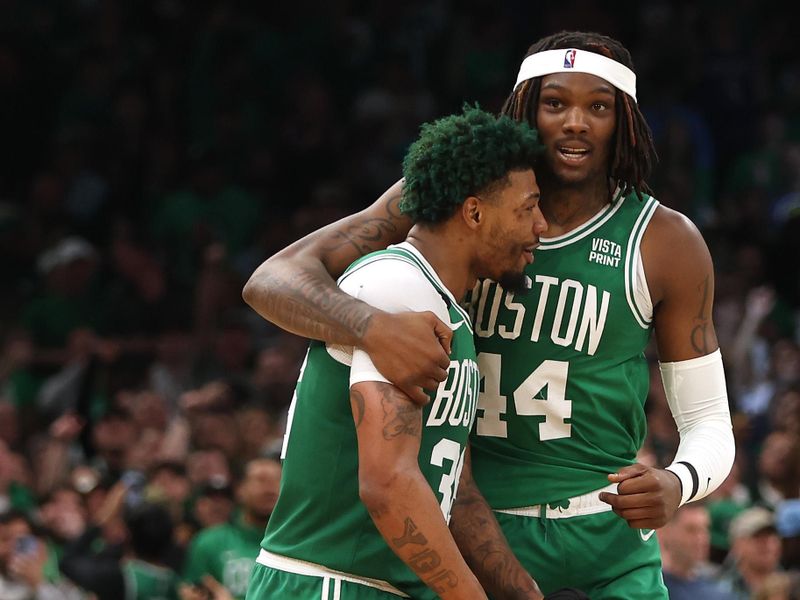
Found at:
<point>515,282</point>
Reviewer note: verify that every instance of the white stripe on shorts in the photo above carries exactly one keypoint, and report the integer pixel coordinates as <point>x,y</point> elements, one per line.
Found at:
<point>302,567</point>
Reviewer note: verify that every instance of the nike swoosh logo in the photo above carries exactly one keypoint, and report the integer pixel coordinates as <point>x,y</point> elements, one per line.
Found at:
<point>456,326</point>
<point>646,536</point>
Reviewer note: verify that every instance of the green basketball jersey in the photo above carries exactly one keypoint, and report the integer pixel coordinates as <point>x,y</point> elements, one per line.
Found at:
<point>319,517</point>
<point>144,581</point>
<point>226,552</point>
<point>564,376</point>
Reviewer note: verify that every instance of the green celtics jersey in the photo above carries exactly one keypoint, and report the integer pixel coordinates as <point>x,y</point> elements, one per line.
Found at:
<point>144,581</point>
<point>319,517</point>
<point>564,376</point>
<point>226,552</point>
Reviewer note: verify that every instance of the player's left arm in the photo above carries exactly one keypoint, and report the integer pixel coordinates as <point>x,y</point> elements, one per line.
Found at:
<point>680,276</point>
<point>483,545</point>
<point>397,495</point>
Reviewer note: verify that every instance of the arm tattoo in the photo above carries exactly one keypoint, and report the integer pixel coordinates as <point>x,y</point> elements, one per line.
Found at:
<point>699,331</point>
<point>484,546</point>
<point>426,560</point>
<point>313,299</point>
<point>368,234</point>
<point>357,398</point>
<point>411,535</point>
<point>400,416</point>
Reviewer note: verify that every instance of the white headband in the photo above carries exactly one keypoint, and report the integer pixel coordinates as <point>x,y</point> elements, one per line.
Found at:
<point>580,61</point>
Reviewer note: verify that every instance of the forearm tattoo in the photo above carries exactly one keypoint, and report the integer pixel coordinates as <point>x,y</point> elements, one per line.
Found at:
<point>699,334</point>
<point>309,303</point>
<point>426,560</point>
<point>484,547</point>
<point>369,234</point>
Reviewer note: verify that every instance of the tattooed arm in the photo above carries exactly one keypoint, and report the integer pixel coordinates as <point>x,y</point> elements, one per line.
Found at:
<point>398,497</point>
<point>295,290</point>
<point>484,546</point>
<point>680,277</point>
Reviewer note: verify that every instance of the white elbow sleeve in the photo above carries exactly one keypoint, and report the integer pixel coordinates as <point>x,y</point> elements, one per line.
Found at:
<point>698,399</point>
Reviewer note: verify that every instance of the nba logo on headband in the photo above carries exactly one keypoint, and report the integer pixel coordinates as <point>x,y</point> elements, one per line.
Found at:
<point>569,59</point>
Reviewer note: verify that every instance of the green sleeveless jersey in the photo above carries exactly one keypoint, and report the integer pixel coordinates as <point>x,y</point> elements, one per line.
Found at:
<point>226,553</point>
<point>319,517</point>
<point>564,376</point>
<point>144,581</point>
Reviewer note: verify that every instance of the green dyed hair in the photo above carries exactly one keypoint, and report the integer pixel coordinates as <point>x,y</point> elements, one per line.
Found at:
<point>463,155</point>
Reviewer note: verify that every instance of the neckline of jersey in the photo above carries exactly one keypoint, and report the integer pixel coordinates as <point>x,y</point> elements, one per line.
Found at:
<point>581,231</point>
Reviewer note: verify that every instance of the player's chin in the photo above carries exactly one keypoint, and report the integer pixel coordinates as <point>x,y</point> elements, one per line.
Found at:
<point>514,281</point>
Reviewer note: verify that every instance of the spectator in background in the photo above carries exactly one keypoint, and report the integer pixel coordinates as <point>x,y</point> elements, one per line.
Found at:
<point>213,503</point>
<point>226,553</point>
<point>685,545</point>
<point>727,501</point>
<point>787,523</point>
<point>69,298</point>
<point>28,568</point>
<point>779,468</point>
<point>755,553</point>
<point>133,563</point>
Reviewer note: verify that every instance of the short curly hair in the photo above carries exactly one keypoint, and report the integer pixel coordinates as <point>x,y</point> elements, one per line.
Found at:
<point>462,155</point>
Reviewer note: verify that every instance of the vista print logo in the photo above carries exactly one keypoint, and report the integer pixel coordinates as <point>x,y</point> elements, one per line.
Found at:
<point>569,58</point>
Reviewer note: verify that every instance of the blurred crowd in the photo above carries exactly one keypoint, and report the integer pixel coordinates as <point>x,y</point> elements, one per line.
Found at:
<point>154,153</point>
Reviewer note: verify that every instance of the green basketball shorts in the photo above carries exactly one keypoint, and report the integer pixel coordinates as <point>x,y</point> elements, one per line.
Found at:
<point>585,545</point>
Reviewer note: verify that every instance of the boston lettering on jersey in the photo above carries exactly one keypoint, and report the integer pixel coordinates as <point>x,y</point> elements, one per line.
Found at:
<point>564,375</point>
<point>457,397</point>
<point>579,320</point>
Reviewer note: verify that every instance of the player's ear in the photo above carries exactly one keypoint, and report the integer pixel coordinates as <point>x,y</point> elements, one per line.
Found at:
<point>472,212</point>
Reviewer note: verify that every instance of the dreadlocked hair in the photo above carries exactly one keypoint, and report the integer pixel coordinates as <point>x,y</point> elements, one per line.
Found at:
<point>633,152</point>
<point>460,156</point>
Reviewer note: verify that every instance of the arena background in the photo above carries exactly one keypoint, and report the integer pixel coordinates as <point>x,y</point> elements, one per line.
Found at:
<point>152,154</point>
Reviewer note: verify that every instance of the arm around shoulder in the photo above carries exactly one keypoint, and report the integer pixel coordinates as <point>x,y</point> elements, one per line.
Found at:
<point>295,288</point>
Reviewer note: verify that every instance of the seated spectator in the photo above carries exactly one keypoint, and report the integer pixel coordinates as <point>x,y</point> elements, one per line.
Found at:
<point>685,544</point>
<point>226,553</point>
<point>28,568</point>
<point>787,522</point>
<point>213,503</point>
<point>135,567</point>
<point>755,553</point>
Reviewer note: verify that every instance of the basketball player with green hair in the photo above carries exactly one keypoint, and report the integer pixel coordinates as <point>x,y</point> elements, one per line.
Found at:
<point>368,485</point>
<point>564,376</point>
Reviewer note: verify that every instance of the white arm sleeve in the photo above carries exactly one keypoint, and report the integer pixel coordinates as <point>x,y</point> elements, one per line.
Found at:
<point>394,286</point>
<point>698,398</point>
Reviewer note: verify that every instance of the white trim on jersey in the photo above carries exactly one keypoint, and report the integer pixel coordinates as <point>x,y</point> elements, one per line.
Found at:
<point>580,232</point>
<point>637,292</point>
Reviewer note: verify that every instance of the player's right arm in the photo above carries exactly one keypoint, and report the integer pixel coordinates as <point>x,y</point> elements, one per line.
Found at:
<point>396,494</point>
<point>295,290</point>
<point>483,545</point>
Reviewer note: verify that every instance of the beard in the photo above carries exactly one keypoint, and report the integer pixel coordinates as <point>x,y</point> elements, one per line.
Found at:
<point>515,282</point>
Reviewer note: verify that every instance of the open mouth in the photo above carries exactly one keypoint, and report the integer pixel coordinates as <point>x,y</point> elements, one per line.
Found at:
<point>527,253</point>
<point>572,153</point>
